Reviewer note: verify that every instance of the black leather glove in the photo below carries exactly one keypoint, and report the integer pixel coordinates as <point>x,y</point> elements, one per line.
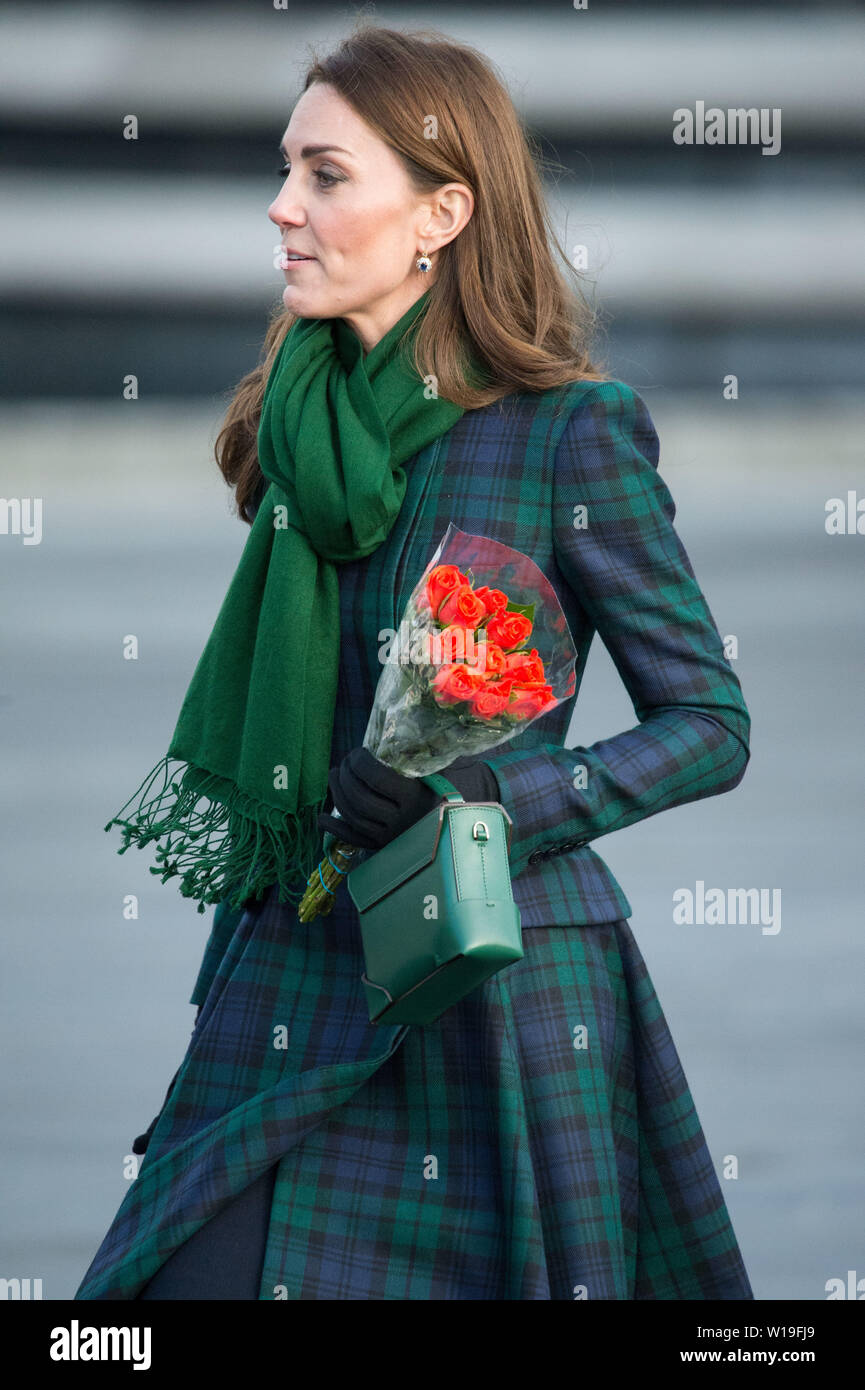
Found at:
<point>376,804</point>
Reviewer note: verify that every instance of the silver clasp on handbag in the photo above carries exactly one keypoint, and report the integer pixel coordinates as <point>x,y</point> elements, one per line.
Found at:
<point>480,830</point>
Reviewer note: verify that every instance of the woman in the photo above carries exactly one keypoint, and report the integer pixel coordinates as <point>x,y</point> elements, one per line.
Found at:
<point>560,1170</point>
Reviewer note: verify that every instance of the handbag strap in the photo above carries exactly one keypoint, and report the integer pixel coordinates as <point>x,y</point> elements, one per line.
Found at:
<point>444,788</point>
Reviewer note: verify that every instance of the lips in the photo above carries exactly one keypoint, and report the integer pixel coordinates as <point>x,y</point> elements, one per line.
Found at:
<point>294,257</point>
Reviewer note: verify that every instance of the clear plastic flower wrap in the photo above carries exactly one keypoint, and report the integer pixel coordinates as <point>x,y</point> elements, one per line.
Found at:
<point>483,649</point>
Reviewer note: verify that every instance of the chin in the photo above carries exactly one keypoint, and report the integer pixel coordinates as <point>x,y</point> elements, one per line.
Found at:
<point>306,306</point>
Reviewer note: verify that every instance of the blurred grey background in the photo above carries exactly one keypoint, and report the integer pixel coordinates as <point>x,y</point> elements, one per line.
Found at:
<point>153,257</point>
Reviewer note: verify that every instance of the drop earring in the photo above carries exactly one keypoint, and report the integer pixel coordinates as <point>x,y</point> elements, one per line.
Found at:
<point>423,263</point>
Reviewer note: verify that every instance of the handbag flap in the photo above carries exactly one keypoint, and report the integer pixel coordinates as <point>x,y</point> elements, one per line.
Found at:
<point>416,847</point>
<point>396,861</point>
<point>479,845</point>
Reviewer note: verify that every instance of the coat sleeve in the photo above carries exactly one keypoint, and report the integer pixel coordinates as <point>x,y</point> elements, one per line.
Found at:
<point>631,575</point>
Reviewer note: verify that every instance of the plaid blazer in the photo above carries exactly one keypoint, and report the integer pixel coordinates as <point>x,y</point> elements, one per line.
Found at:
<point>518,471</point>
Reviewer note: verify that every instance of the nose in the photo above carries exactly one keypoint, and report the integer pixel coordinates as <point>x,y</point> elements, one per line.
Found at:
<point>283,212</point>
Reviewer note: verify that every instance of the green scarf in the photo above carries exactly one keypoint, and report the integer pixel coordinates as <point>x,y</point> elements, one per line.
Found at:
<point>254,731</point>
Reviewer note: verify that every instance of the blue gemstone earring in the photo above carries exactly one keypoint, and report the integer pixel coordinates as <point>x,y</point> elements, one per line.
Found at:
<point>423,263</point>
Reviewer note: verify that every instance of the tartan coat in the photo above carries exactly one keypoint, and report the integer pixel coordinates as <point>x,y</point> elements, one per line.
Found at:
<point>567,1173</point>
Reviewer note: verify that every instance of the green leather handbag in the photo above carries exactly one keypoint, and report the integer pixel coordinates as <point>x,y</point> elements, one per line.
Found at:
<point>437,912</point>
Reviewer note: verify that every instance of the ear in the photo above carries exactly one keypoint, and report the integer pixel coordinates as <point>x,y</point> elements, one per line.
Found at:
<point>446,213</point>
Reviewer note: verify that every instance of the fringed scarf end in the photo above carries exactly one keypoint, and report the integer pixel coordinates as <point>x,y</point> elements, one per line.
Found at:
<point>233,850</point>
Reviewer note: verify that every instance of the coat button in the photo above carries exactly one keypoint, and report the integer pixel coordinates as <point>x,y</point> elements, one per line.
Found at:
<point>566,846</point>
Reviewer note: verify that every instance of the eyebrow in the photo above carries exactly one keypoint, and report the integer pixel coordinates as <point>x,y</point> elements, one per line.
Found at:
<point>309,150</point>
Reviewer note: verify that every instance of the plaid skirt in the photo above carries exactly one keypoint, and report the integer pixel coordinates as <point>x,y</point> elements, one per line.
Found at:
<point>539,1141</point>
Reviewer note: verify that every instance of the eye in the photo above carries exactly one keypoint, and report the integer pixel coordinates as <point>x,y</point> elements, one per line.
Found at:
<point>321,174</point>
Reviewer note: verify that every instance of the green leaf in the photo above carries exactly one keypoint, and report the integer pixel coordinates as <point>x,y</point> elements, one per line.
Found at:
<point>527,609</point>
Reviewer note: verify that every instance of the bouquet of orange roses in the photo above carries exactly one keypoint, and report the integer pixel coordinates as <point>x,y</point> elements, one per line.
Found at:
<point>459,675</point>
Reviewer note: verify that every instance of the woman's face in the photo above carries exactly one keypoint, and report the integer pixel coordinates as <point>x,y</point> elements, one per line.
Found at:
<point>353,213</point>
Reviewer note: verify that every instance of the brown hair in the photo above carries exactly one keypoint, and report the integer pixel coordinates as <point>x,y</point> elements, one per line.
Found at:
<point>498,290</point>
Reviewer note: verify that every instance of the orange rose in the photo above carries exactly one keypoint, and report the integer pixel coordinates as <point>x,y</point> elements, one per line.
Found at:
<point>527,703</point>
<point>488,658</point>
<point>441,581</point>
<point>461,607</point>
<point>545,697</point>
<point>525,666</point>
<point>492,599</point>
<point>489,701</point>
<point>452,643</point>
<point>450,684</point>
<point>508,629</point>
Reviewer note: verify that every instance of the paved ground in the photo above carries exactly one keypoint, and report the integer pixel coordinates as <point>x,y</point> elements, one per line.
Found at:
<point>138,539</point>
